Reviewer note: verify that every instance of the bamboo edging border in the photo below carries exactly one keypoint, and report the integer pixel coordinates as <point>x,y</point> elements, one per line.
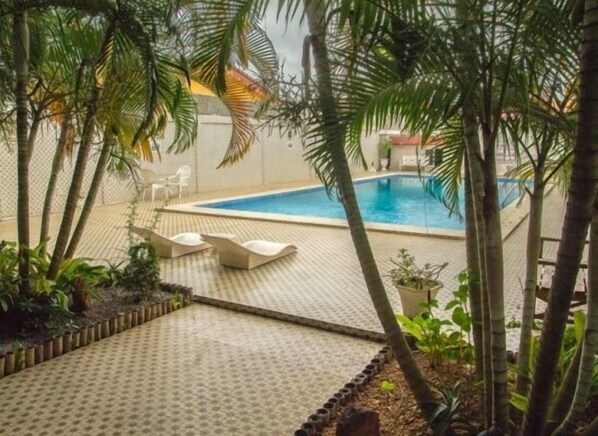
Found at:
<point>13,362</point>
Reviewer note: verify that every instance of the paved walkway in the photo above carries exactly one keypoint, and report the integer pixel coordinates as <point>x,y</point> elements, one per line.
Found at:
<point>230,353</point>
<point>197,371</point>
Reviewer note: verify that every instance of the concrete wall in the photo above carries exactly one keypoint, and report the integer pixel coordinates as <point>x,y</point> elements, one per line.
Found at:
<point>273,158</point>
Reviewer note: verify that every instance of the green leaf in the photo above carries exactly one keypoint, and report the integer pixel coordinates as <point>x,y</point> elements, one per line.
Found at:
<point>579,322</point>
<point>451,304</point>
<point>519,401</point>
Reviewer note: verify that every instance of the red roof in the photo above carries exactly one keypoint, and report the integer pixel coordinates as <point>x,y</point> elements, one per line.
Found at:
<point>405,140</point>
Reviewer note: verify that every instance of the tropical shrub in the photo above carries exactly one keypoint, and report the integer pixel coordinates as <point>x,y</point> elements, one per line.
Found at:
<point>74,285</point>
<point>443,339</point>
<point>141,274</point>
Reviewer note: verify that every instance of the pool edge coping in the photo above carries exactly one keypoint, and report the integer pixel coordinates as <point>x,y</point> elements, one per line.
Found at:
<point>511,216</point>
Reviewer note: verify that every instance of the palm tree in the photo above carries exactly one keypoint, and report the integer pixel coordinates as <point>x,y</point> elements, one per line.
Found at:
<point>578,214</point>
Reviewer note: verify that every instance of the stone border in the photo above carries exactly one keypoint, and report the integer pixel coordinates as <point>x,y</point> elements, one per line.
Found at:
<point>295,319</point>
<point>322,416</point>
<point>11,362</point>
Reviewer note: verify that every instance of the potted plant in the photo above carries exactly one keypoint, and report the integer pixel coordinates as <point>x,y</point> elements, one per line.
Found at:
<point>416,285</point>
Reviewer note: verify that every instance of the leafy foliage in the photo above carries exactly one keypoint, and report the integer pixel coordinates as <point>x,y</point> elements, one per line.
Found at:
<point>442,339</point>
<point>407,273</point>
<point>141,274</point>
<point>46,297</point>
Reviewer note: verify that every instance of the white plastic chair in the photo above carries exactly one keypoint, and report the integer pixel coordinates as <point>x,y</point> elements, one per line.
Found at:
<point>180,179</point>
<point>148,180</point>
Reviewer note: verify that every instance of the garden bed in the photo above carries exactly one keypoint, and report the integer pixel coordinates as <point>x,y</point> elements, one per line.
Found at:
<point>382,388</point>
<point>115,312</point>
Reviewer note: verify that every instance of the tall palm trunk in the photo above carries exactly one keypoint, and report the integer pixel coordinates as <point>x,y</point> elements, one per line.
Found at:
<point>475,280</point>
<point>534,234</point>
<point>590,342</point>
<point>579,209</point>
<point>495,281</point>
<point>21,65</point>
<point>96,182</point>
<point>66,134</point>
<point>334,138</point>
<point>476,174</point>
<point>83,154</point>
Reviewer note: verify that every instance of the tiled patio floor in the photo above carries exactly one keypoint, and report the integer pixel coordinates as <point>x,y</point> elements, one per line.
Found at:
<point>202,359</point>
<point>322,281</point>
<point>198,371</point>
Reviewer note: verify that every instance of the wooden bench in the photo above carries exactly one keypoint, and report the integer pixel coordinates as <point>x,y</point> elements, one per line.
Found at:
<point>547,266</point>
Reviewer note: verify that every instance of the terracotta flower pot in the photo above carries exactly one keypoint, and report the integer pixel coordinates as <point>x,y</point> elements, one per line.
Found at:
<point>412,298</point>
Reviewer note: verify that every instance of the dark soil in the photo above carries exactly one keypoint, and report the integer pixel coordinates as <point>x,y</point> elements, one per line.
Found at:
<point>114,300</point>
<point>398,411</point>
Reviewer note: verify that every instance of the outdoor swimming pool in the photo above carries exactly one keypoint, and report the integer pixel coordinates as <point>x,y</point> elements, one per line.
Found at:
<point>396,199</point>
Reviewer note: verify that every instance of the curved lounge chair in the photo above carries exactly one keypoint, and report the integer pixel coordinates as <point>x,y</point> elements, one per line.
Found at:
<point>249,254</point>
<point>175,246</point>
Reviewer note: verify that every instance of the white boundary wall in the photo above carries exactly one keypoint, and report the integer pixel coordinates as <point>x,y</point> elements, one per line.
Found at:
<point>273,158</point>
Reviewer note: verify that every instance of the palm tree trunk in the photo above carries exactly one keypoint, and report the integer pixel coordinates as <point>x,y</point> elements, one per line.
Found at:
<point>96,182</point>
<point>590,342</point>
<point>424,396</point>
<point>476,174</point>
<point>495,284</point>
<point>21,65</point>
<point>534,234</point>
<point>66,132</point>
<point>579,210</point>
<point>84,147</point>
<point>475,281</point>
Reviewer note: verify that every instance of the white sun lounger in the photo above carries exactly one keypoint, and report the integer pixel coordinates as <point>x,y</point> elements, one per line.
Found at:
<point>175,246</point>
<point>249,254</point>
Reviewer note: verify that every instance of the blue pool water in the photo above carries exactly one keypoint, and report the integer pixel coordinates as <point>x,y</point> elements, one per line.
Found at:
<point>391,200</point>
